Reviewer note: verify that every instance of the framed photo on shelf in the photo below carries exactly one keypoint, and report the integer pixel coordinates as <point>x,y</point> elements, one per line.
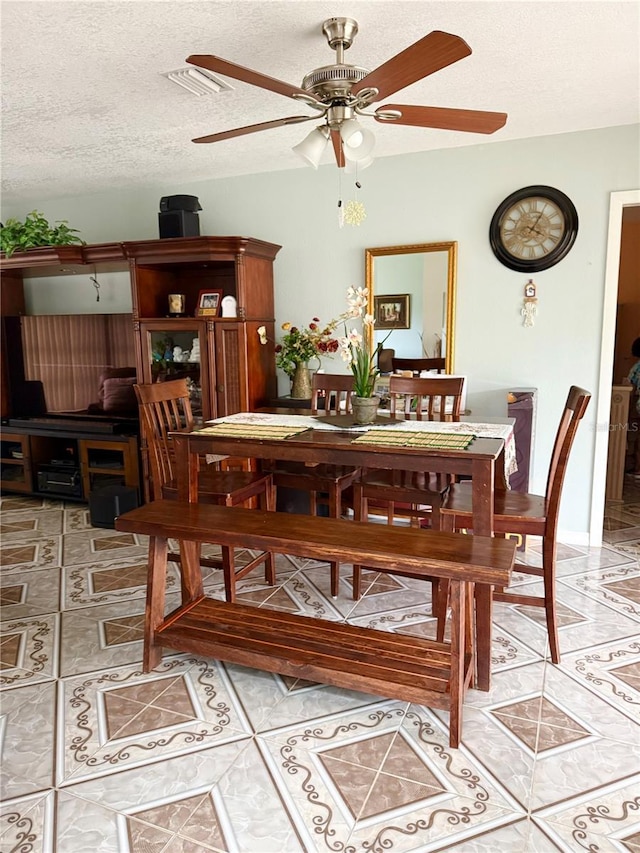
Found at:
<point>209,303</point>
<point>392,310</point>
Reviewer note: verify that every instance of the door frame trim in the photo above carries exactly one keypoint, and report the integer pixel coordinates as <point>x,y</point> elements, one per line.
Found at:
<point>617,201</point>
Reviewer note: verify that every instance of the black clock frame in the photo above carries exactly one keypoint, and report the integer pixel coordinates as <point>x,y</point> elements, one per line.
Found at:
<point>558,252</point>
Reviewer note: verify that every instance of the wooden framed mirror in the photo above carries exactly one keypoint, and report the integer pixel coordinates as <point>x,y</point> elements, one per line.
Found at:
<point>426,274</point>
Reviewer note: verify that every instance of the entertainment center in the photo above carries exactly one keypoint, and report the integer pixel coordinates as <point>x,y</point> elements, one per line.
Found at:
<point>69,454</point>
<point>67,459</point>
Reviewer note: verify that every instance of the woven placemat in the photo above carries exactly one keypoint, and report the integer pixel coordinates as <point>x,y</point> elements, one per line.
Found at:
<point>253,430</point>
<point>436,440</point>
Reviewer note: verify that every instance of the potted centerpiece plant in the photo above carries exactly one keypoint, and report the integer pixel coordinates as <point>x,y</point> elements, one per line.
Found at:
<point>35,232</point>
<point>358,350</point>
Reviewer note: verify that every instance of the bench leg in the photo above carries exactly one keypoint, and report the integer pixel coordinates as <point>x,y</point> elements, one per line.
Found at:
<point>154,610</point>
<point>457,682</point>
<point>190,571</point>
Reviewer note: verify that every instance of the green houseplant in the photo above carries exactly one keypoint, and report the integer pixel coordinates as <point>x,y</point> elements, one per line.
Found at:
<point>35,231</point>
<point>358,350</point>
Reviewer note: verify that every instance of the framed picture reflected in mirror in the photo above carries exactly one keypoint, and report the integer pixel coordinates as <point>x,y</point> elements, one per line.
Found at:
<point>392,310</point>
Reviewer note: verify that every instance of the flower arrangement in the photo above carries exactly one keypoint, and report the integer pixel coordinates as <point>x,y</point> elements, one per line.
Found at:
<point>300,345</point>
<point>355,347</point>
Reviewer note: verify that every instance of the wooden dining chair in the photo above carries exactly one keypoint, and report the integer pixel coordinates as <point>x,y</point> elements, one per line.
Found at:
<point>527,514</point>
<point>413,494</point>
<point>325,484</point>
<point>417,365</point>
<point>165,408</point>
<point>385,359</point>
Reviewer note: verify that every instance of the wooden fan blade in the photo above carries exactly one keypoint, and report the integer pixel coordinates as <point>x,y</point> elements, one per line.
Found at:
<point>472,121</point>
<point>336,139</point>
<point>239,72</point>
<point>430,54</point>
<point>253,128</point>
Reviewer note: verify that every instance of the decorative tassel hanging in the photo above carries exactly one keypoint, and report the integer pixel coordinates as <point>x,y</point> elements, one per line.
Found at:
<point>353,212</point>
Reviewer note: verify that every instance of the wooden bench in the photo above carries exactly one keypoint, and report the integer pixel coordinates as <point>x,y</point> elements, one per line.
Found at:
<point>400,667</point>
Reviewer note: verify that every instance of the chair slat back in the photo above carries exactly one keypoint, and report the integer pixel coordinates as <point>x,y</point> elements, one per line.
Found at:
<point>434,365</point>
<point>164,408</point>
<point>338,391</point>
<point>574,409</point>
<point>428,399</point>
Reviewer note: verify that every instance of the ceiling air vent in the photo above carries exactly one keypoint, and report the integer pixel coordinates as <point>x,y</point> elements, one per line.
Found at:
<point>197,81</point>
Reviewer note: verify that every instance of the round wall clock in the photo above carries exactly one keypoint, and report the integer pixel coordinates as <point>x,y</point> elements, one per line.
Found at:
<point>533,228</point>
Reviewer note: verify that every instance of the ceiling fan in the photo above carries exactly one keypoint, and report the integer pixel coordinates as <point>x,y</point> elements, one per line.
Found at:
<point>340,92</point>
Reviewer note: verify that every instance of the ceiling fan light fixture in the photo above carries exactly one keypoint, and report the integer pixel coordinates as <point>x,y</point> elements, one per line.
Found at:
<point>351,132</point>
<point>312,146</point>
<point>357,142</point>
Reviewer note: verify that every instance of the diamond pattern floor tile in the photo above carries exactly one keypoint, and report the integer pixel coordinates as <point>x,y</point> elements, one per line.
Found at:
<point>200,757</point>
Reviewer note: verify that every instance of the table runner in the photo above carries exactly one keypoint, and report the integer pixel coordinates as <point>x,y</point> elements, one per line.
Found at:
<point>302,422</point>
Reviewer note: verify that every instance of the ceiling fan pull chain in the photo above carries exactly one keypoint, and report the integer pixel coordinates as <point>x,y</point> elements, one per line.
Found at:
<point>340,205</point>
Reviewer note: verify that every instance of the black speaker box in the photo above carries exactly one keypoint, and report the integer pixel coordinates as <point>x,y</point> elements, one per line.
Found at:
<point>179,202</point>
<point>179,223</point>
<point>107,503</point>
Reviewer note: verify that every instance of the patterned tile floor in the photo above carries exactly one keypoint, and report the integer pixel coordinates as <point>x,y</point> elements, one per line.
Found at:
<point>199,756</point>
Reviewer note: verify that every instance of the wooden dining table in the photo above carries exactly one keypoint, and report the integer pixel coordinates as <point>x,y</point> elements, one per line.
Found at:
<point>317,442</point>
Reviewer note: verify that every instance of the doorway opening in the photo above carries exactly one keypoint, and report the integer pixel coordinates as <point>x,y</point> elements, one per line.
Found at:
<point>618,202</point>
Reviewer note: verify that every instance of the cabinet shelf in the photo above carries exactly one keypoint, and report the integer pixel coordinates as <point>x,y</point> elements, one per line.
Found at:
<point>68,464</point>
<point>15,473</point>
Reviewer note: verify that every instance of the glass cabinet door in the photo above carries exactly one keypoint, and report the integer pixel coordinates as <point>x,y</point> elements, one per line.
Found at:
<point>177,349</point>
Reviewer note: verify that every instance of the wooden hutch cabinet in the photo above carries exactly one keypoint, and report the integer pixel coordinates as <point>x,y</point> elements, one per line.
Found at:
<point>227,368</point>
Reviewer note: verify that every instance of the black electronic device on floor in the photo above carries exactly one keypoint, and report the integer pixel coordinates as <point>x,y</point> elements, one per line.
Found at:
<point>107,503</point>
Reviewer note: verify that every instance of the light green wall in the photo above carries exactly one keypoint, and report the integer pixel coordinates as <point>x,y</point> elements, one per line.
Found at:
<point>442,195</point>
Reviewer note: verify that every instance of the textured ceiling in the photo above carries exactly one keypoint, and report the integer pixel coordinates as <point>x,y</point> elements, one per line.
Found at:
<point>85,107</point>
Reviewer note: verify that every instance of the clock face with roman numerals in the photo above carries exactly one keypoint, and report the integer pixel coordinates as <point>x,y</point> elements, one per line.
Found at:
<point>533,228</point>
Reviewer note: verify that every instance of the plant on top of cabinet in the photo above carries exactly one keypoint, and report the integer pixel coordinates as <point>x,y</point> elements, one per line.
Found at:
<point>35,231</point>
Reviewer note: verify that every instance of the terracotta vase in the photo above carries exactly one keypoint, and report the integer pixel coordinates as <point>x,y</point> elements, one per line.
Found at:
<point>365,409</point>
<point>301,385</point>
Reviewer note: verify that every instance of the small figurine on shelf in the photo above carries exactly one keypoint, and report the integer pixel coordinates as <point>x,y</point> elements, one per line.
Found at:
<point>180,355</point>
<point>229,306</point>
<point>195,350</point>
